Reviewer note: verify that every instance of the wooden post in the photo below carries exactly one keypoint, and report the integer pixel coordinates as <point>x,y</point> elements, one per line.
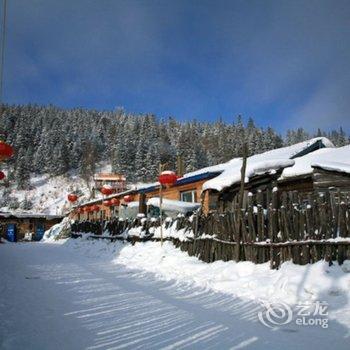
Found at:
<point>101,221</point>
<point>243,171</point>
<point>274,229</point>
<point>240,202</point>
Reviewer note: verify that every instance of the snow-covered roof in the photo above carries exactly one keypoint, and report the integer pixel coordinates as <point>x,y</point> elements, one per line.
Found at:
<point>191,176</point>
<point>30,215</point>
<point>172,205</point>
<point>333,159</point>
<point>143,186</point>
<point>333,166</point>
<point>267,162</point>
<point>232,175</point>
<point>210,169</point>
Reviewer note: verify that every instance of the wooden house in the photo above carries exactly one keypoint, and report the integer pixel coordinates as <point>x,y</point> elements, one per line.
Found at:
<point>320,171</point>
<point>115,181</point>
<point>263,173</point>
<point>20,224</point>
<point>83,211</point>
<point>186,189</point>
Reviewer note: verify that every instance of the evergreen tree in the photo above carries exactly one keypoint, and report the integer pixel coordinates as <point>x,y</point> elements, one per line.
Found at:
<point>54,141</point>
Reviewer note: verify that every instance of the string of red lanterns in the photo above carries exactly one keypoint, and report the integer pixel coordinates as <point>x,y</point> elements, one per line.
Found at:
<point>166,178</point>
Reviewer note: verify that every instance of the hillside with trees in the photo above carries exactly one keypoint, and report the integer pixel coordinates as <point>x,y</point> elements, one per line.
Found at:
<point>53,141</point>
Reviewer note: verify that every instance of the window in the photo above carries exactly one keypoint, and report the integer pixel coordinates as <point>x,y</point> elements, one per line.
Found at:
<point>188,196</point>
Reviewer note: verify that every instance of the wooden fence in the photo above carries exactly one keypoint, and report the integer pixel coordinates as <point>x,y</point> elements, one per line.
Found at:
<point>290,227</point>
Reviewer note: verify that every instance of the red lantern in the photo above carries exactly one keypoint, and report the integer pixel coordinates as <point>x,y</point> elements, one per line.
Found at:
<point>115,202</point>
<point>107,203</point>
<point>2,175</point>
<point>167,178</point>
<point>81,210</point>
<point>128,198</point>
<point>107,190</point>
<point>95,208</point>
<point>87,209</point>
<point>6,151</point>
<point>72,197</point>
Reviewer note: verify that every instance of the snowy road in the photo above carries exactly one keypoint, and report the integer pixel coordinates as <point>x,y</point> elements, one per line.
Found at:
<point>57,298</point>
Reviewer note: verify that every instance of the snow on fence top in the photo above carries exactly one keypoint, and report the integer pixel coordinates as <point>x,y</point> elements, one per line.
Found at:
<point>266,162</point>
<point>173,205</point>
<point>334,159</point>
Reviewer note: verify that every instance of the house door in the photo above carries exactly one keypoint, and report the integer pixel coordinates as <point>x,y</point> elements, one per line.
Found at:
<point>11,234</point>
<point>39,232</point>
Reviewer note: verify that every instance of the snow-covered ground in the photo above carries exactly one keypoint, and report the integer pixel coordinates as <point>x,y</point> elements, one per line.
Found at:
<point>80,294</point>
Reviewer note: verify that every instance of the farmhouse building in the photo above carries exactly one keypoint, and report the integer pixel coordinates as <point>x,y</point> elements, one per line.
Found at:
<point>15,227</point>
<point>187,189</point>
<point>324,169</point>
<point>262,174</point>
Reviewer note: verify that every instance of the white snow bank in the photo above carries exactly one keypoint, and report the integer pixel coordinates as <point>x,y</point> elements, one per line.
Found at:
<point>261,163</point>
<point>334,159</point>
<point>51,234</point>
<point>290,284</point>
<point>173,205</point>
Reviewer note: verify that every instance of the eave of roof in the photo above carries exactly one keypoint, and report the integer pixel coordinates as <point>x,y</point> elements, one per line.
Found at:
<point>100,200</point>
<point>183,181</point>
<point>30,216</point>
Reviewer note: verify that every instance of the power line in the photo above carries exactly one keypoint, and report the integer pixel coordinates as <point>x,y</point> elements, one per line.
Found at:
<point>3,39</point>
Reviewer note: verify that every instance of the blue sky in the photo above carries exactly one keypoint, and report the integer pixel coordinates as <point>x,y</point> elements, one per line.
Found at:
<point>284,63</point>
